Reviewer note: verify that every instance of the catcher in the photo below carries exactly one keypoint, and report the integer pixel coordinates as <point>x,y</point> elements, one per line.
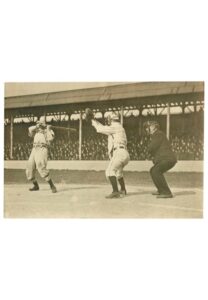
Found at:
<point>43,136</point>
<point>117,150</point>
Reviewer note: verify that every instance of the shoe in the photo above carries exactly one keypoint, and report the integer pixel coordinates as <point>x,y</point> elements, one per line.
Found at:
<point>34,188</point>
<point>113,195</point>
<point>155,193</point>
<point>122,193</point>
<point>52,186</point>
<point>165,196</point>
<point>53,189</point>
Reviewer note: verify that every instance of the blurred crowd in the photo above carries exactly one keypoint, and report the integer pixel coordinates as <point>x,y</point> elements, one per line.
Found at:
<point>188,147</point>
<point>186,144</point>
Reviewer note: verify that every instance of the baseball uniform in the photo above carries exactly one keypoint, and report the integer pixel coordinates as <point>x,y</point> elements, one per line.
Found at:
<point>117,150</point>
<point>43,136</point>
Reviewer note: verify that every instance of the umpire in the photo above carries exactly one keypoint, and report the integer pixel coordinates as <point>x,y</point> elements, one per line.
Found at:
<point>163,158</point>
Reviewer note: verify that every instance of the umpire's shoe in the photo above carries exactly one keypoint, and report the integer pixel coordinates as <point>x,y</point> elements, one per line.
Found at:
<point>165,196</point>
<point>113,195</point>
<point>156,193</point>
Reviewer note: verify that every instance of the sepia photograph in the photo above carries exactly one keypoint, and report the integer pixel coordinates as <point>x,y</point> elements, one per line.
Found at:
<point>103,150</point>
<point>104,161</point>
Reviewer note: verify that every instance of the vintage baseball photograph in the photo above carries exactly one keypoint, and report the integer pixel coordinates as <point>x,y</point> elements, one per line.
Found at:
<point>103,149</point>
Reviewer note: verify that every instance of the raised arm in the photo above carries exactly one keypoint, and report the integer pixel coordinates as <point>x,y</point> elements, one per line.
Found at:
<point>50,133</point>
<point>100,128</point>
<point>32,130</point>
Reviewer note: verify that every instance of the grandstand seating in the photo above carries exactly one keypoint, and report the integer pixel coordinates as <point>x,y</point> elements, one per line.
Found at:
<point>186,140</point>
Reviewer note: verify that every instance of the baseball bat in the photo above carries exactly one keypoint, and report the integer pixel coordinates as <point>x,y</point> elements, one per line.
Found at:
<point>64,128</point>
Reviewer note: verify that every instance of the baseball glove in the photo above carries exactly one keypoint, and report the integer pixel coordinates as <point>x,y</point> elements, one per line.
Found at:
<point>89,114</point>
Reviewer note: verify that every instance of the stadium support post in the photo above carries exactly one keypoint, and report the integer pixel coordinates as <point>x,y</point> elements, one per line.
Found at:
<point>168,121</point>
<point>122,113</point>
<point>140,120</point>
<point>11,137</point>
<point>80,135</point>
<point>68,125</point>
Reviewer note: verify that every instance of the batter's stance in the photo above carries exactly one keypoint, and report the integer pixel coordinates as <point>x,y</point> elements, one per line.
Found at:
<point>117,150</point>
<point>43,136</point>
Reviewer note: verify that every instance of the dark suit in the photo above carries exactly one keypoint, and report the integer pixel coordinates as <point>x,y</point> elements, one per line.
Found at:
<point>163,158</point>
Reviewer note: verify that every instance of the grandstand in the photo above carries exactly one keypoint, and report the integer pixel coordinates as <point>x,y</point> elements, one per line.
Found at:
<point>178,107</point>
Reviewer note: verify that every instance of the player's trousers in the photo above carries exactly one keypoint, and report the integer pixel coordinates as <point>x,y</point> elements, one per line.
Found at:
<point>38,160</point>
<point>118,161</point>
<point>158,178</point>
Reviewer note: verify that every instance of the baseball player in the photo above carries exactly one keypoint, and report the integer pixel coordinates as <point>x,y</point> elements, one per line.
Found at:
<point>117,151</point>
<point>43,136</point>
<point>163,158</point>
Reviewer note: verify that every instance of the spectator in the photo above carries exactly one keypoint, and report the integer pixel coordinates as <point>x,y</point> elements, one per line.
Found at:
<point>187,146</point>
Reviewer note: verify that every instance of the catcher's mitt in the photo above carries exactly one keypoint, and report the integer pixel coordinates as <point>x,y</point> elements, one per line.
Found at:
<point>89,114</point>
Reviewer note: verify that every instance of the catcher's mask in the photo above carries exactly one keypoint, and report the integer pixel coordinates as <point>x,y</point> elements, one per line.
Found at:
<point>151,126</point>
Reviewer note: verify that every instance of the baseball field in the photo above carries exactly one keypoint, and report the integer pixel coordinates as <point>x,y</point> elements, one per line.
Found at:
<point>81,194</point>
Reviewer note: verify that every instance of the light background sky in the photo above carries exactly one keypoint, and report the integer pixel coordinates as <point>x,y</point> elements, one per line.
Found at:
<point>103,41</point>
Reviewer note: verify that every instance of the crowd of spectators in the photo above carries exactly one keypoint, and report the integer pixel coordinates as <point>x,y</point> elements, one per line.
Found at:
<point>187,146</point>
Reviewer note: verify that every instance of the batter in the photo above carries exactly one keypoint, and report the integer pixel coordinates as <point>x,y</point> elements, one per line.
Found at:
<point>43,136</point>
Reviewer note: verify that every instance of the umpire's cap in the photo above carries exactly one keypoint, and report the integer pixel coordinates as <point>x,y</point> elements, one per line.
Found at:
<point>151,123</point>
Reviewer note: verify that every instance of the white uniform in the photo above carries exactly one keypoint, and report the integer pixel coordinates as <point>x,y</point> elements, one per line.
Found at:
<point>117,147</point>
<point>39,156</point>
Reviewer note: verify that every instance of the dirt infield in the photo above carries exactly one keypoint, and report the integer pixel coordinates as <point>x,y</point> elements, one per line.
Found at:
<point>87,200</point>
<point>179,179</point>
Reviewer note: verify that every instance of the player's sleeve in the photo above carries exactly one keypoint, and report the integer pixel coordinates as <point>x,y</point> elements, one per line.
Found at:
<point>110,146</point>
<point>102,128</point>
<point>50,135</point>
<point>31,131</point>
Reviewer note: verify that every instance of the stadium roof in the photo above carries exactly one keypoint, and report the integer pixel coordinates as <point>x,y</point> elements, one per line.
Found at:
<point>13,89</point>
<point>107,93</point>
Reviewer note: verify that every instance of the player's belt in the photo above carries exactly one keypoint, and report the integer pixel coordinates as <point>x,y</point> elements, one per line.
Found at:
<point>119,147</point>
<point>39,145</point>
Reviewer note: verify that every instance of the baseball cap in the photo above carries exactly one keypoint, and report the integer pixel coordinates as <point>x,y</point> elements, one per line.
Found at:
<point>151,123</point>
